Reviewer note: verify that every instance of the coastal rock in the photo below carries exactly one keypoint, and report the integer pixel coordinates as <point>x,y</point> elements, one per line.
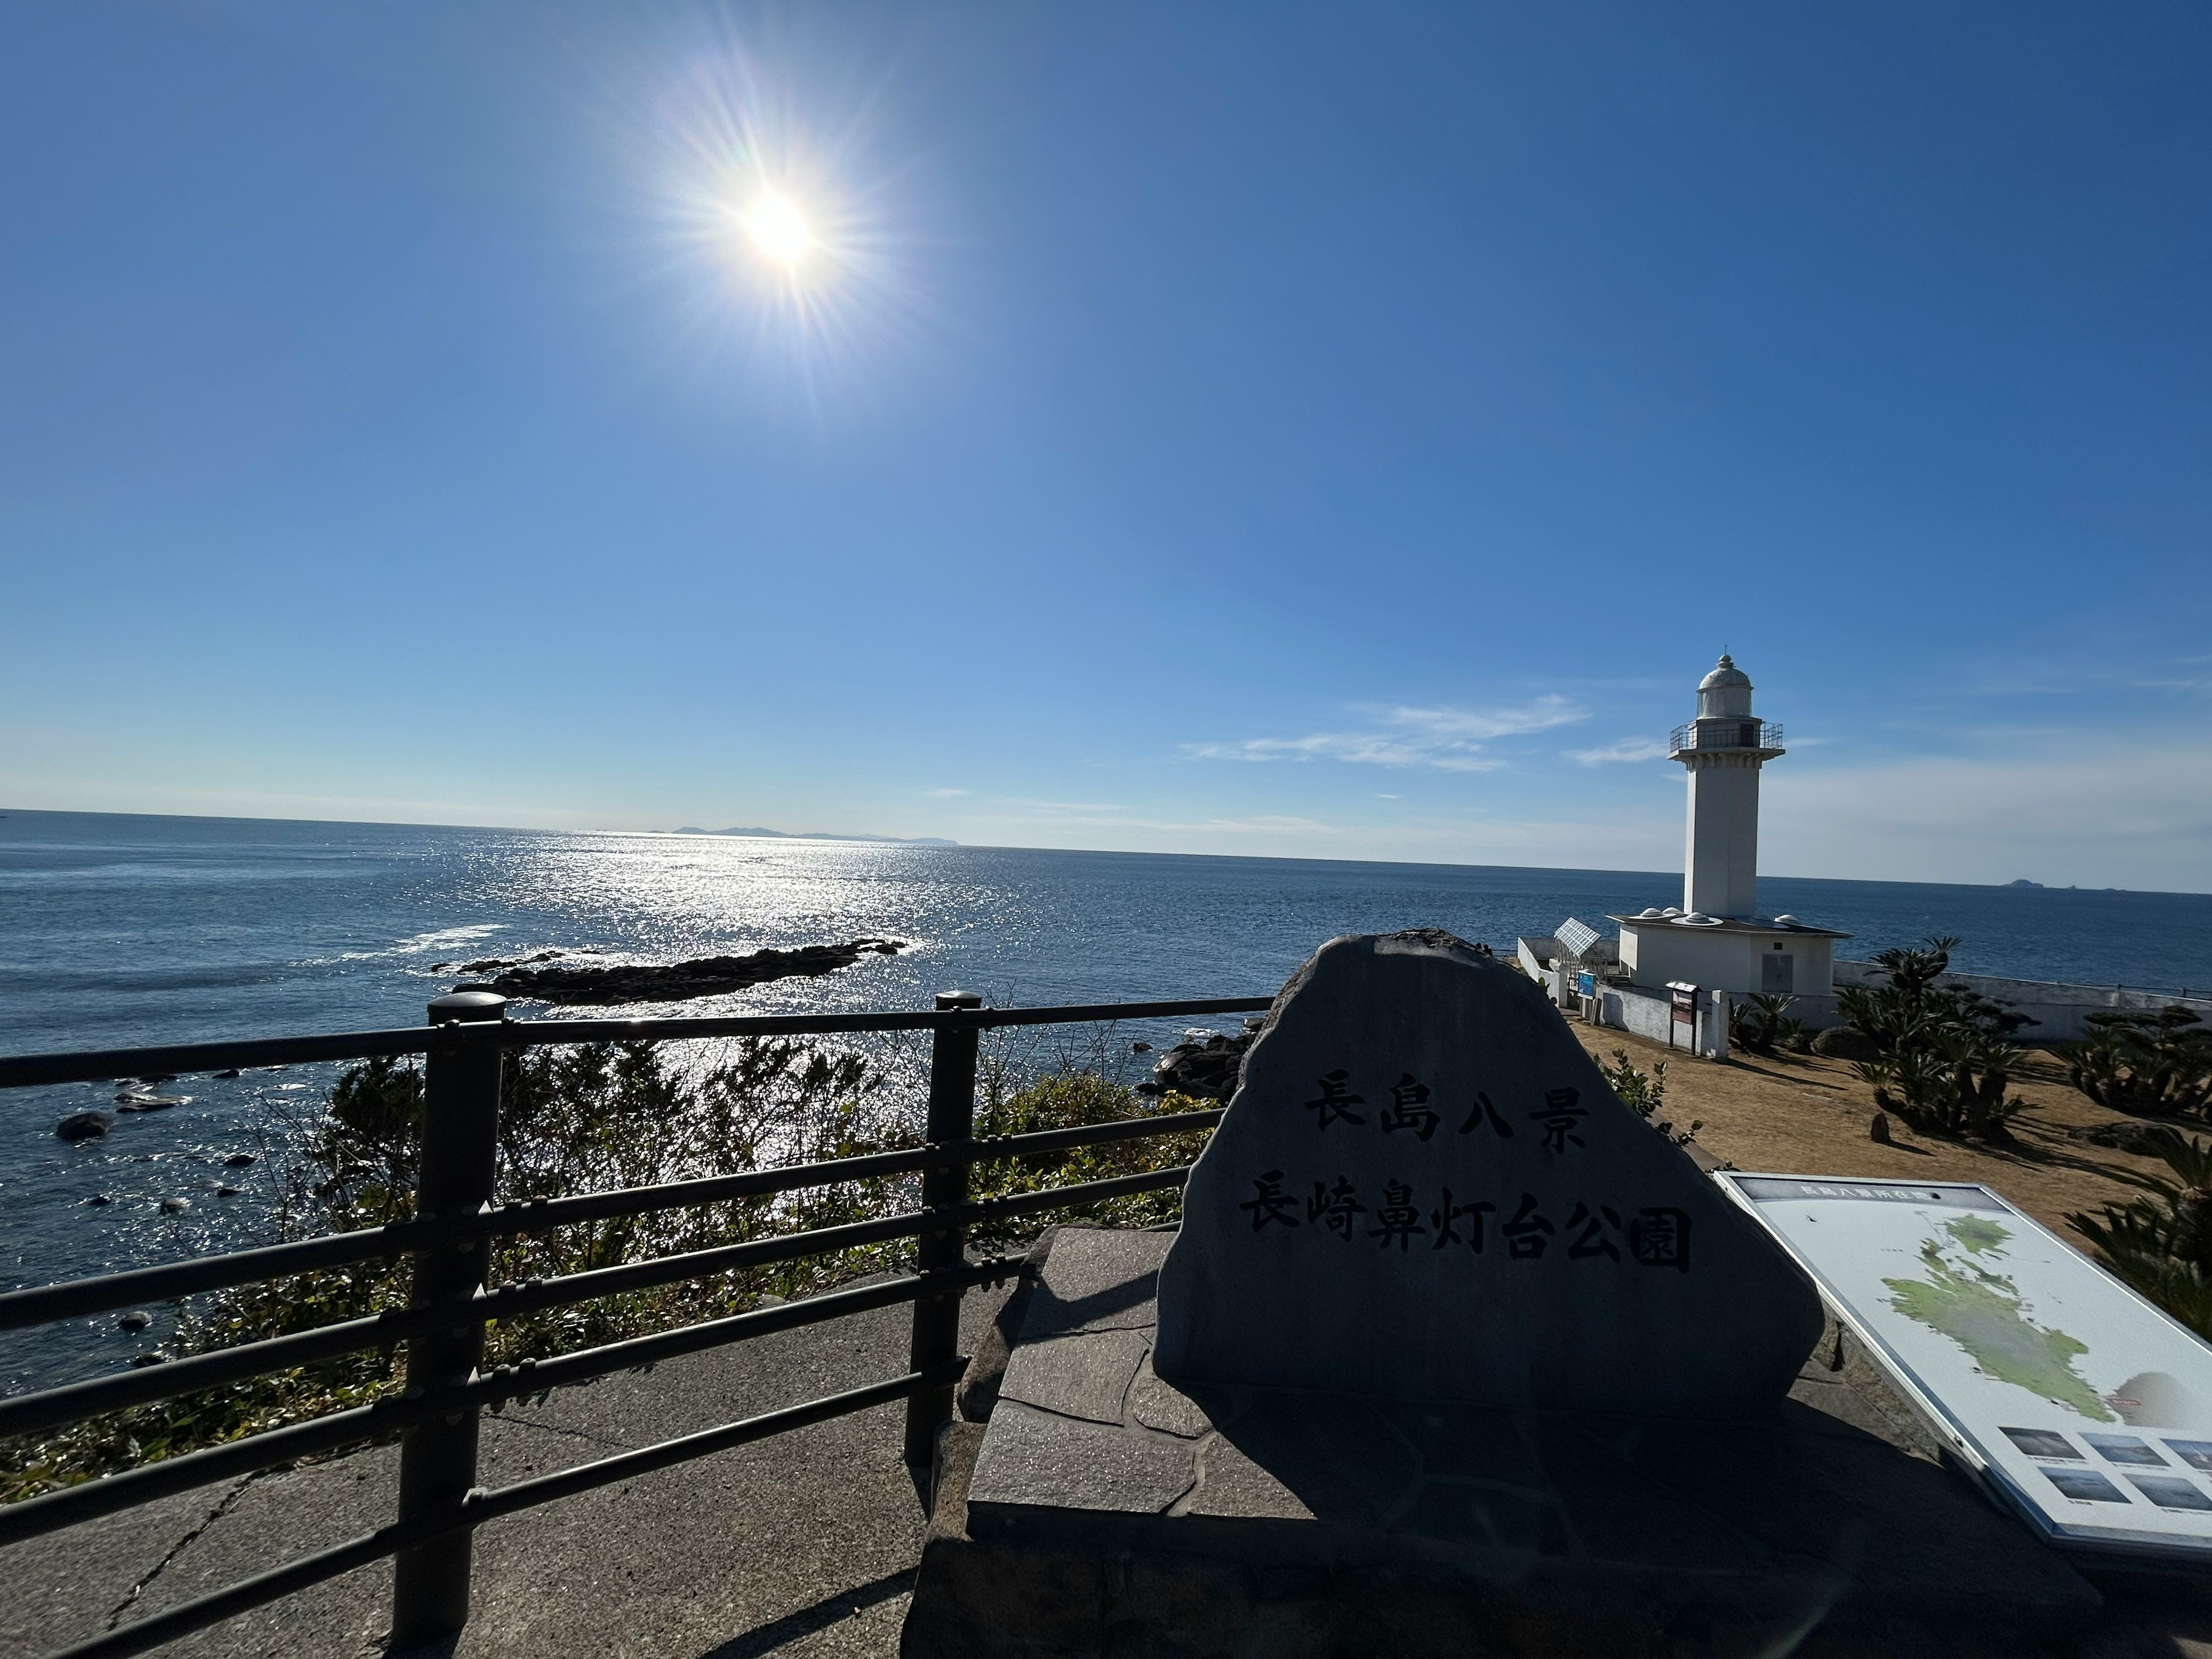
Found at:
<point>1846,1042</point>
<point>677,981</point>
<point>2128,1135</point>
<point>135,1321</point>
<point>132,1101</point>
<point>1204,1067</point>
<point>85,1126</point>
<point>239,1160</point>
<point>493,965</point>
<point>175,1205</point>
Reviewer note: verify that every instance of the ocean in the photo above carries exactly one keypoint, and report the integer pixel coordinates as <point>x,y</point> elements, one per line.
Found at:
<point>120,930</point>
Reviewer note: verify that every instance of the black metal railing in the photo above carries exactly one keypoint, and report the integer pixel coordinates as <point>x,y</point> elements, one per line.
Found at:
<point>1724,734</point>
<point>448,1243</point>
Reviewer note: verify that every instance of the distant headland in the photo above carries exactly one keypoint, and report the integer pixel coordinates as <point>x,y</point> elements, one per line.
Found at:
<point>822,834</point>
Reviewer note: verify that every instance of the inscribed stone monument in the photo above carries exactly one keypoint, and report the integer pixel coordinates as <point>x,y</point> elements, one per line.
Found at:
<point>1424,1190</point>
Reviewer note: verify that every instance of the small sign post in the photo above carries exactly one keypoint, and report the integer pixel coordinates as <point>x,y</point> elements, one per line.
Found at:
<point>1683,1011</point>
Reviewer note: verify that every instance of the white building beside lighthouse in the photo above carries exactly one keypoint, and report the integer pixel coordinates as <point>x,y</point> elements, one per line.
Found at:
<point>1715,938</point>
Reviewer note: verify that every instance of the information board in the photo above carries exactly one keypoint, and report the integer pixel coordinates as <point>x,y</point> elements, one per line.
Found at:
<point>2084,1407</point>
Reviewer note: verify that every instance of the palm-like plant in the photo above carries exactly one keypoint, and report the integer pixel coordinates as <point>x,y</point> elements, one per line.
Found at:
<point>1761,1020</point>
<point>2151,1065</point>
<point>1946,1055</point>
<point>2161,1243</point>
<point>1946,1080</point>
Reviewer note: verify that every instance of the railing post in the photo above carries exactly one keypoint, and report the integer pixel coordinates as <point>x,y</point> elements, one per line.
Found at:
<point>936,1318</point>
<point>438,1456</point>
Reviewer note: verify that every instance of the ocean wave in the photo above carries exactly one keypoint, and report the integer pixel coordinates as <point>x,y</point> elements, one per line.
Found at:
<point>444,940</point>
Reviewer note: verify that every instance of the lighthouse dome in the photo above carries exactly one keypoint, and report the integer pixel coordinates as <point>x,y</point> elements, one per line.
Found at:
<point>1726,690</point>
<point>1726,673</point>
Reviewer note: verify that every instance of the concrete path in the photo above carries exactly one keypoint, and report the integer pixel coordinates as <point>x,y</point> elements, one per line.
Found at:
<point>805,1544</point>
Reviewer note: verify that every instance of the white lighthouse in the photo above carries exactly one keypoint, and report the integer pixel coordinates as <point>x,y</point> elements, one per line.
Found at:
<point>1717,939</point>
<point>1724,749</point>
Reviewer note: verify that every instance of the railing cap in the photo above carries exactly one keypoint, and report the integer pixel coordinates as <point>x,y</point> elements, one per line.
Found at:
<point>470,1005</point>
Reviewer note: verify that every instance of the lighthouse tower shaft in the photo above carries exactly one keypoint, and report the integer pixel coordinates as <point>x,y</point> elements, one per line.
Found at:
<point>1720,865</point>
<point>1723,750</point>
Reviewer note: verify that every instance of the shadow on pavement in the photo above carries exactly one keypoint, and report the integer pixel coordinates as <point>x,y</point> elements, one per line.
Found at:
<point>831,1610</point>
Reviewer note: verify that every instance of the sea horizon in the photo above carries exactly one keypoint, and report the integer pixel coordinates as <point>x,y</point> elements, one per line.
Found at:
<point>863,838</point>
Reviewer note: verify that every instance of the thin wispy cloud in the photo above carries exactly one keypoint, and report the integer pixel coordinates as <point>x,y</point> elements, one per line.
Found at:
<point>1628,749</point>
<point>1062,806</point>
<point>1448,739</point>
<point>943,794</point>
<point>1255,823</point>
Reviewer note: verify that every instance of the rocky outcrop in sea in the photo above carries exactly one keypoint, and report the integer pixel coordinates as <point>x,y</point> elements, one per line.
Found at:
<point>677,981</point>
<point>1205,1065</point>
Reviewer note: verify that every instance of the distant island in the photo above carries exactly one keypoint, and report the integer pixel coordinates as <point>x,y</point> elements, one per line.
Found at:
<point>2023,882</point>
<point>822,834</point>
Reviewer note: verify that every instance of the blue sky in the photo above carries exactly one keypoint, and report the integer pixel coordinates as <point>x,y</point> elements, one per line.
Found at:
<point>1344,432</point>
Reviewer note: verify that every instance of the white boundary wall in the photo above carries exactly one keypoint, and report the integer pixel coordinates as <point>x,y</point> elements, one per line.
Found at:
<point>2058,1012</point>
<point>1637,1010</point>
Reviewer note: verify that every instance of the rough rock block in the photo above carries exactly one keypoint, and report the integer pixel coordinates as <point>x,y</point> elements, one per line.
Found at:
<point>1424,1191</point>
<point>1215,1520</point>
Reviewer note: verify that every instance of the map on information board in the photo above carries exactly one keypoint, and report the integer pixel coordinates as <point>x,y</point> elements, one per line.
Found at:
<point>2085,1406</point>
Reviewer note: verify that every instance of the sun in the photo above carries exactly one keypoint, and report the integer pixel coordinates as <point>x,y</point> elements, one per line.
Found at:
<point>779,229</point>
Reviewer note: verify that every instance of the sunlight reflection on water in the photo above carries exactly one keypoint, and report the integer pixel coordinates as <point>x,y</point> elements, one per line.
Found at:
<point>126,931</point>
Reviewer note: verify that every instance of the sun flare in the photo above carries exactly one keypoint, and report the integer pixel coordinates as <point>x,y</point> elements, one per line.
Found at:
<point>779,229</point>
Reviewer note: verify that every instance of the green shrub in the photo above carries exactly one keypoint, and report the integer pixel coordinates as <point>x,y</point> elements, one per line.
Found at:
<point>1064,1101</point>
<point>2153,1065</point>
<point>1946,1058</point>
<point>2161,1243</point>
<point>584,1120</point>
<point>1762,1020</point>
<point>1645,1092</point>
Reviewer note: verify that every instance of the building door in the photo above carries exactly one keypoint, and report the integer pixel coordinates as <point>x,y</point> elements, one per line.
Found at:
<point>1777,971</point>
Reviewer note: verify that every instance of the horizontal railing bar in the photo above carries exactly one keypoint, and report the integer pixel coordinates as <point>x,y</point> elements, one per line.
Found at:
<point>33,1517</point>
<point>999,1149</point>
<point>482,1506</point>
<point>71,1402</point>
<point>95,1065</point>
<point>142,1635</point>
<point>28,1412</point>
<point>102,1065</point>
<point>1068,1198</point>
<point>74,1298</point>
<point>755,1183</point>
<point>1096,1013</point>
<point>563,1370</point>
<point>510,1301</point>
<point>677,1027</point>
<point>666,1453</point>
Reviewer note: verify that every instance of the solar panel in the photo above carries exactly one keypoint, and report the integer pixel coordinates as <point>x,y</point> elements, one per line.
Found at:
<point>1575,937</point>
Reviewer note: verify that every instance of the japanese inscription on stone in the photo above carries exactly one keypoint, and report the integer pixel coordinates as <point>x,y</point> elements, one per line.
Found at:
<point>1425,1189</point>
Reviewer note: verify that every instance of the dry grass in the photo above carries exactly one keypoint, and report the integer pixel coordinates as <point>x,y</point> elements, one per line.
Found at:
<point>1807,1115</point>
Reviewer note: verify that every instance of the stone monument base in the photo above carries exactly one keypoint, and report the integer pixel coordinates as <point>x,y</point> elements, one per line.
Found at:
<point>1083,1507</point>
